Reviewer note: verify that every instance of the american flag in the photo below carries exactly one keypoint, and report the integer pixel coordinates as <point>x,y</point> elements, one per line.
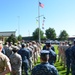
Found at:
<point>41,5</point>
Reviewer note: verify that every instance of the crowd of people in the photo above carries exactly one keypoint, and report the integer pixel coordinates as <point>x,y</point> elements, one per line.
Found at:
<point>66,56</point>
<point>21,58</point>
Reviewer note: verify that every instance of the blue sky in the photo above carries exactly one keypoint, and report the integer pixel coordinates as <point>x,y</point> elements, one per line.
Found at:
<point>59,14</point>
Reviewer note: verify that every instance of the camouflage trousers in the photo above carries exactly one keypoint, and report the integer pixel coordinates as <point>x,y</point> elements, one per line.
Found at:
<point>63,60</point>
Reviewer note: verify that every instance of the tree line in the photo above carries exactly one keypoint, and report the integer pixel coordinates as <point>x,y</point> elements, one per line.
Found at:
<point>50,33</point>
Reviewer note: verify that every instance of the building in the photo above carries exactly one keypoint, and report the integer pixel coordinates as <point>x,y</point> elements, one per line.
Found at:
<point>71,38</point>
<point>6,34</point>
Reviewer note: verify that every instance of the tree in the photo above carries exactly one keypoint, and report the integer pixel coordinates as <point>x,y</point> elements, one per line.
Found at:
<point>36,34</point>
<point>19,38</point>
<point>50,33</point>
<point>63,35</point>
<point>11,38</point>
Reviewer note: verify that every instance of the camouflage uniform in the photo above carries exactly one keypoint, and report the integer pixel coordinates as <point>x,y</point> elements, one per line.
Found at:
<point>52,57</point>
<point>8,51</point>
<point>30,60</point>
<point>3,62</point>
<point>35,52</point>
<point>59,51</point>
<point>68,59</point>
<point>16,63</point>
<point>73,59</point>
<point>44,68</point>
<point>64,48</point>
<point>52,54</point>
<point>25,54</point>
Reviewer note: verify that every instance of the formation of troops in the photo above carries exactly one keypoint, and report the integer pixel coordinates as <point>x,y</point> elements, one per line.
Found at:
<point>67,56</point>
<point>22,57</point>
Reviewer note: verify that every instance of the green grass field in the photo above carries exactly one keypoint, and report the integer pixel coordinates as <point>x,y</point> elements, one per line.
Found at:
<point>60,68</point>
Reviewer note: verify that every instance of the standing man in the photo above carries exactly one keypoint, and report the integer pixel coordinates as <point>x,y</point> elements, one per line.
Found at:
<point>64,47</point>
<point>73,59</point>
<point>30,61</point>
<point>68,59</point>
<point>44,68</point>
<point>35,53</point>
<point>16,62</point>
<point>5,66</point>
<point>25,54</point>
<point>52,47</point>
<point>59,48</point>
<point>52,54</point>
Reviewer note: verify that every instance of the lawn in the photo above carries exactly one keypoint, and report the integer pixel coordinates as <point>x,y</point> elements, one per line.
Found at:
<point>60,68</point>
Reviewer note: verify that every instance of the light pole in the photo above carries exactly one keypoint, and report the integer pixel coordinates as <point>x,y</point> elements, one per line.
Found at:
<point>39,25</point>
<point>18,25</point>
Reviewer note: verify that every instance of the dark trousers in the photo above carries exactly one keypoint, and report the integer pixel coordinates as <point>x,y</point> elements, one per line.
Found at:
<point>73,69</point>
<point>68,68</point>
<point>25,67</point>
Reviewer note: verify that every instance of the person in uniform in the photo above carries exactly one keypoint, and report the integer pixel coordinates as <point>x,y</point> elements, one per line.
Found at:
<point>30,61</point>
<point>35,53</point>
<point>59,48</point>
<point>5,66</point>
<point>5,47</point>
<point>8,49</point>
<point>44,47</point>
<point>44,68</point>
<point>73,59</point>
<point>32,54</point>
<point>64,47</point>
<point>16,62</point>
<point>52,54</point>
<point>68,59</point>
<point>25,54</point>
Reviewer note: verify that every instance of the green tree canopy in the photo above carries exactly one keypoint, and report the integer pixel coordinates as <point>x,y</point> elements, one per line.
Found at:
<point>36,34</point>
<point>50,33</point>
<point>19,38</point>
<point>63,35</point>
<point>11,38</point>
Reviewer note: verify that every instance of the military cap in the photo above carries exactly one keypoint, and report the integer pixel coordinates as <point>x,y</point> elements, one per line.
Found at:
<point>44,53</point>
<point>74,41</point>
<point>15,44</point>
<point>18,42</point>
<point>23,45</point>
<point>48,42</point>
<point>15,48</point>
<point>34,42</point>
<point>70,44</point>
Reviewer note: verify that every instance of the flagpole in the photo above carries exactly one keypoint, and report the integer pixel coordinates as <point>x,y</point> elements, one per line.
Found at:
<point>39,20</point>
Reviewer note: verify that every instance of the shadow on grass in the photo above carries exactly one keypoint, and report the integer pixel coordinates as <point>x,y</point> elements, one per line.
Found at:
<point>63,72</point>
<point>60,68</point>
